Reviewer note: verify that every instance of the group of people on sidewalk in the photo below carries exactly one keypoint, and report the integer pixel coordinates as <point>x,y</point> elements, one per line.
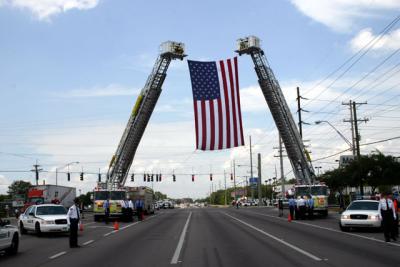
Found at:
<point>300,208</point>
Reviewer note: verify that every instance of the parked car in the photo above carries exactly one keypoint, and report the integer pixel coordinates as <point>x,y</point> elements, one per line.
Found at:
<point>44,218</point>
<point>361,213</point>
<point>9,237</point>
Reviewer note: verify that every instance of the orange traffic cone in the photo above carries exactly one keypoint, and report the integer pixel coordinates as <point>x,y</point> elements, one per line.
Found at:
<point>81,227</point>
<point>116,226</point>
<point>289,218</point>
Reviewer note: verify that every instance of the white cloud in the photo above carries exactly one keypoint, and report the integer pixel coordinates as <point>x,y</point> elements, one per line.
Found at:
<point>110,90</point>
<point>44,9</point>
<point>388,42</point>
<point>4,183</point>
<point>341,15</point>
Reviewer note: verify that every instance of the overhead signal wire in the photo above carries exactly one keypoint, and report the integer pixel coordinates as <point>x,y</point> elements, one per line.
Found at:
<point>360,53</point>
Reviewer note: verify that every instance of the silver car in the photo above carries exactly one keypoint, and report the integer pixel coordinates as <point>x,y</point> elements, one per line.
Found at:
<point>361,213</point>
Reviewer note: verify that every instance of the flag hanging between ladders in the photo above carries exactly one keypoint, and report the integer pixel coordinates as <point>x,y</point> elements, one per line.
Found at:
<point>217,114</point>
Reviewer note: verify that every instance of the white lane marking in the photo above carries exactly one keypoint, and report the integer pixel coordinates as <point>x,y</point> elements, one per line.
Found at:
<point>276,239</point>
<point>332,230</point>
<point>127,226</point>
<point>88,242</point>
<point>57,255</point>
<point>89,223</point>
<point>178,249</point>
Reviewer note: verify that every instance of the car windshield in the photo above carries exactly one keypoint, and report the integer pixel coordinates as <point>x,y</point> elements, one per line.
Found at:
<point>117,195</point>
<point>101,195</point>
<point>314,190</point>
<point>363,205</point>
<point>318,190</point>
<point>51,210</point>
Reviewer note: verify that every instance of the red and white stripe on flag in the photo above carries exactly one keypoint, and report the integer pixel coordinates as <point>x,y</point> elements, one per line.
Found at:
<point>218,121</point>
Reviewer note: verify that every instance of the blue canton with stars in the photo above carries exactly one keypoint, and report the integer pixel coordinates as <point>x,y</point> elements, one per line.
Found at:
<point>205,83</point>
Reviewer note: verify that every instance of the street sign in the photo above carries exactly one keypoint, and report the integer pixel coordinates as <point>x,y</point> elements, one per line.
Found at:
<point>253,180</point>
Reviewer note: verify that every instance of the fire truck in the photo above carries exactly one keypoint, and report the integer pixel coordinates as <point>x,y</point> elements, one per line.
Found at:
<point>298,156</point>
<point>114,187</point>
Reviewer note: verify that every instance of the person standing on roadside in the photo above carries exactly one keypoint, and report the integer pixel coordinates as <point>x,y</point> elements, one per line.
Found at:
<point>388,214</point>
<point>292,206</point>
<point>280,207</point>
<point>130,210</point>
<point>310,207</point>
<point>301,207</point>
<point>139,208</point>
<point>395,230</point>
<point>73,218</point>
<point>106,207</point>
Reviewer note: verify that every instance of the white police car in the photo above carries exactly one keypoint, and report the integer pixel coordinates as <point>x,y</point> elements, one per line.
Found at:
<point>44,218</point>
<point>9,237</point>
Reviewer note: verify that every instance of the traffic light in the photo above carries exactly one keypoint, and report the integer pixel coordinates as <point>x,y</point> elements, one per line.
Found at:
<point>148,177</point>
<point>159,177</point>
<point>156,177</point>
<point>132,177</point>
<point>68,176</point>
<point>144,177</point>
<point>192,177</point>
<point>99,177</point>
<point>152,178</point>
<point>231,177</point>
<point>81,176</point>
<point>211,177</point>
<point>173,178</point>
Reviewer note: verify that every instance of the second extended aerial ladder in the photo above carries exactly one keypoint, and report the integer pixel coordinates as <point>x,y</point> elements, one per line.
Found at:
<point>280,111</point>
<point>140,116</point>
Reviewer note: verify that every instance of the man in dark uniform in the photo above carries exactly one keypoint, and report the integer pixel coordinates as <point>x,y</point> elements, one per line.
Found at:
<point>292,207</point>
<point>106,207</point>
<point>73,218</point>
<point>280,207</point>
<point>139,208</point>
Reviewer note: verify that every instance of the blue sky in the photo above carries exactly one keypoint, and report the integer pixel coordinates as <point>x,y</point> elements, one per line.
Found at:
<point>71,70</point>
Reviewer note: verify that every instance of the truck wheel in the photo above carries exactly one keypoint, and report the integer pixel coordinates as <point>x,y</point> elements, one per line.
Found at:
<point>22,228</point>
<point>13,249</point>
<point>37,229</point>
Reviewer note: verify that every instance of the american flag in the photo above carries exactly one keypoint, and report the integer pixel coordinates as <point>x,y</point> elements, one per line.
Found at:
<point>216,100</point>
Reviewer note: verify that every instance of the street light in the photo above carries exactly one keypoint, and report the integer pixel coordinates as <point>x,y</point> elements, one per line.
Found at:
<point>66,165</point>
<point>341,135</point>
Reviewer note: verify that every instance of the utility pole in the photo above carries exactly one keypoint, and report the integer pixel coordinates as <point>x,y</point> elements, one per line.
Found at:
<point>251,170</point>
<point>37,170</point>
<point>281,163</point>
<point>225,186</point>
<point>355,133</point>
<point>353,147</point>
<point>234,178</point>
<point>299,110</point>
<point>357,136</point>
<point>259,180</point>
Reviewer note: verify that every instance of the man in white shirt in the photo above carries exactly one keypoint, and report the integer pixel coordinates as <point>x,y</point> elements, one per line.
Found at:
<point>388,214</point>
<point>73,218</point>
<point>301,207</point>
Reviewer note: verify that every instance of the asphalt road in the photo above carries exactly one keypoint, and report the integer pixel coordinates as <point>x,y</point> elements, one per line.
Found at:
<point>211,237</point>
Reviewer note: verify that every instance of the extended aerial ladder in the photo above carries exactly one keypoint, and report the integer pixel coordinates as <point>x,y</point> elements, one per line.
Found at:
<point>142,110</point>
<point>280,111</point>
